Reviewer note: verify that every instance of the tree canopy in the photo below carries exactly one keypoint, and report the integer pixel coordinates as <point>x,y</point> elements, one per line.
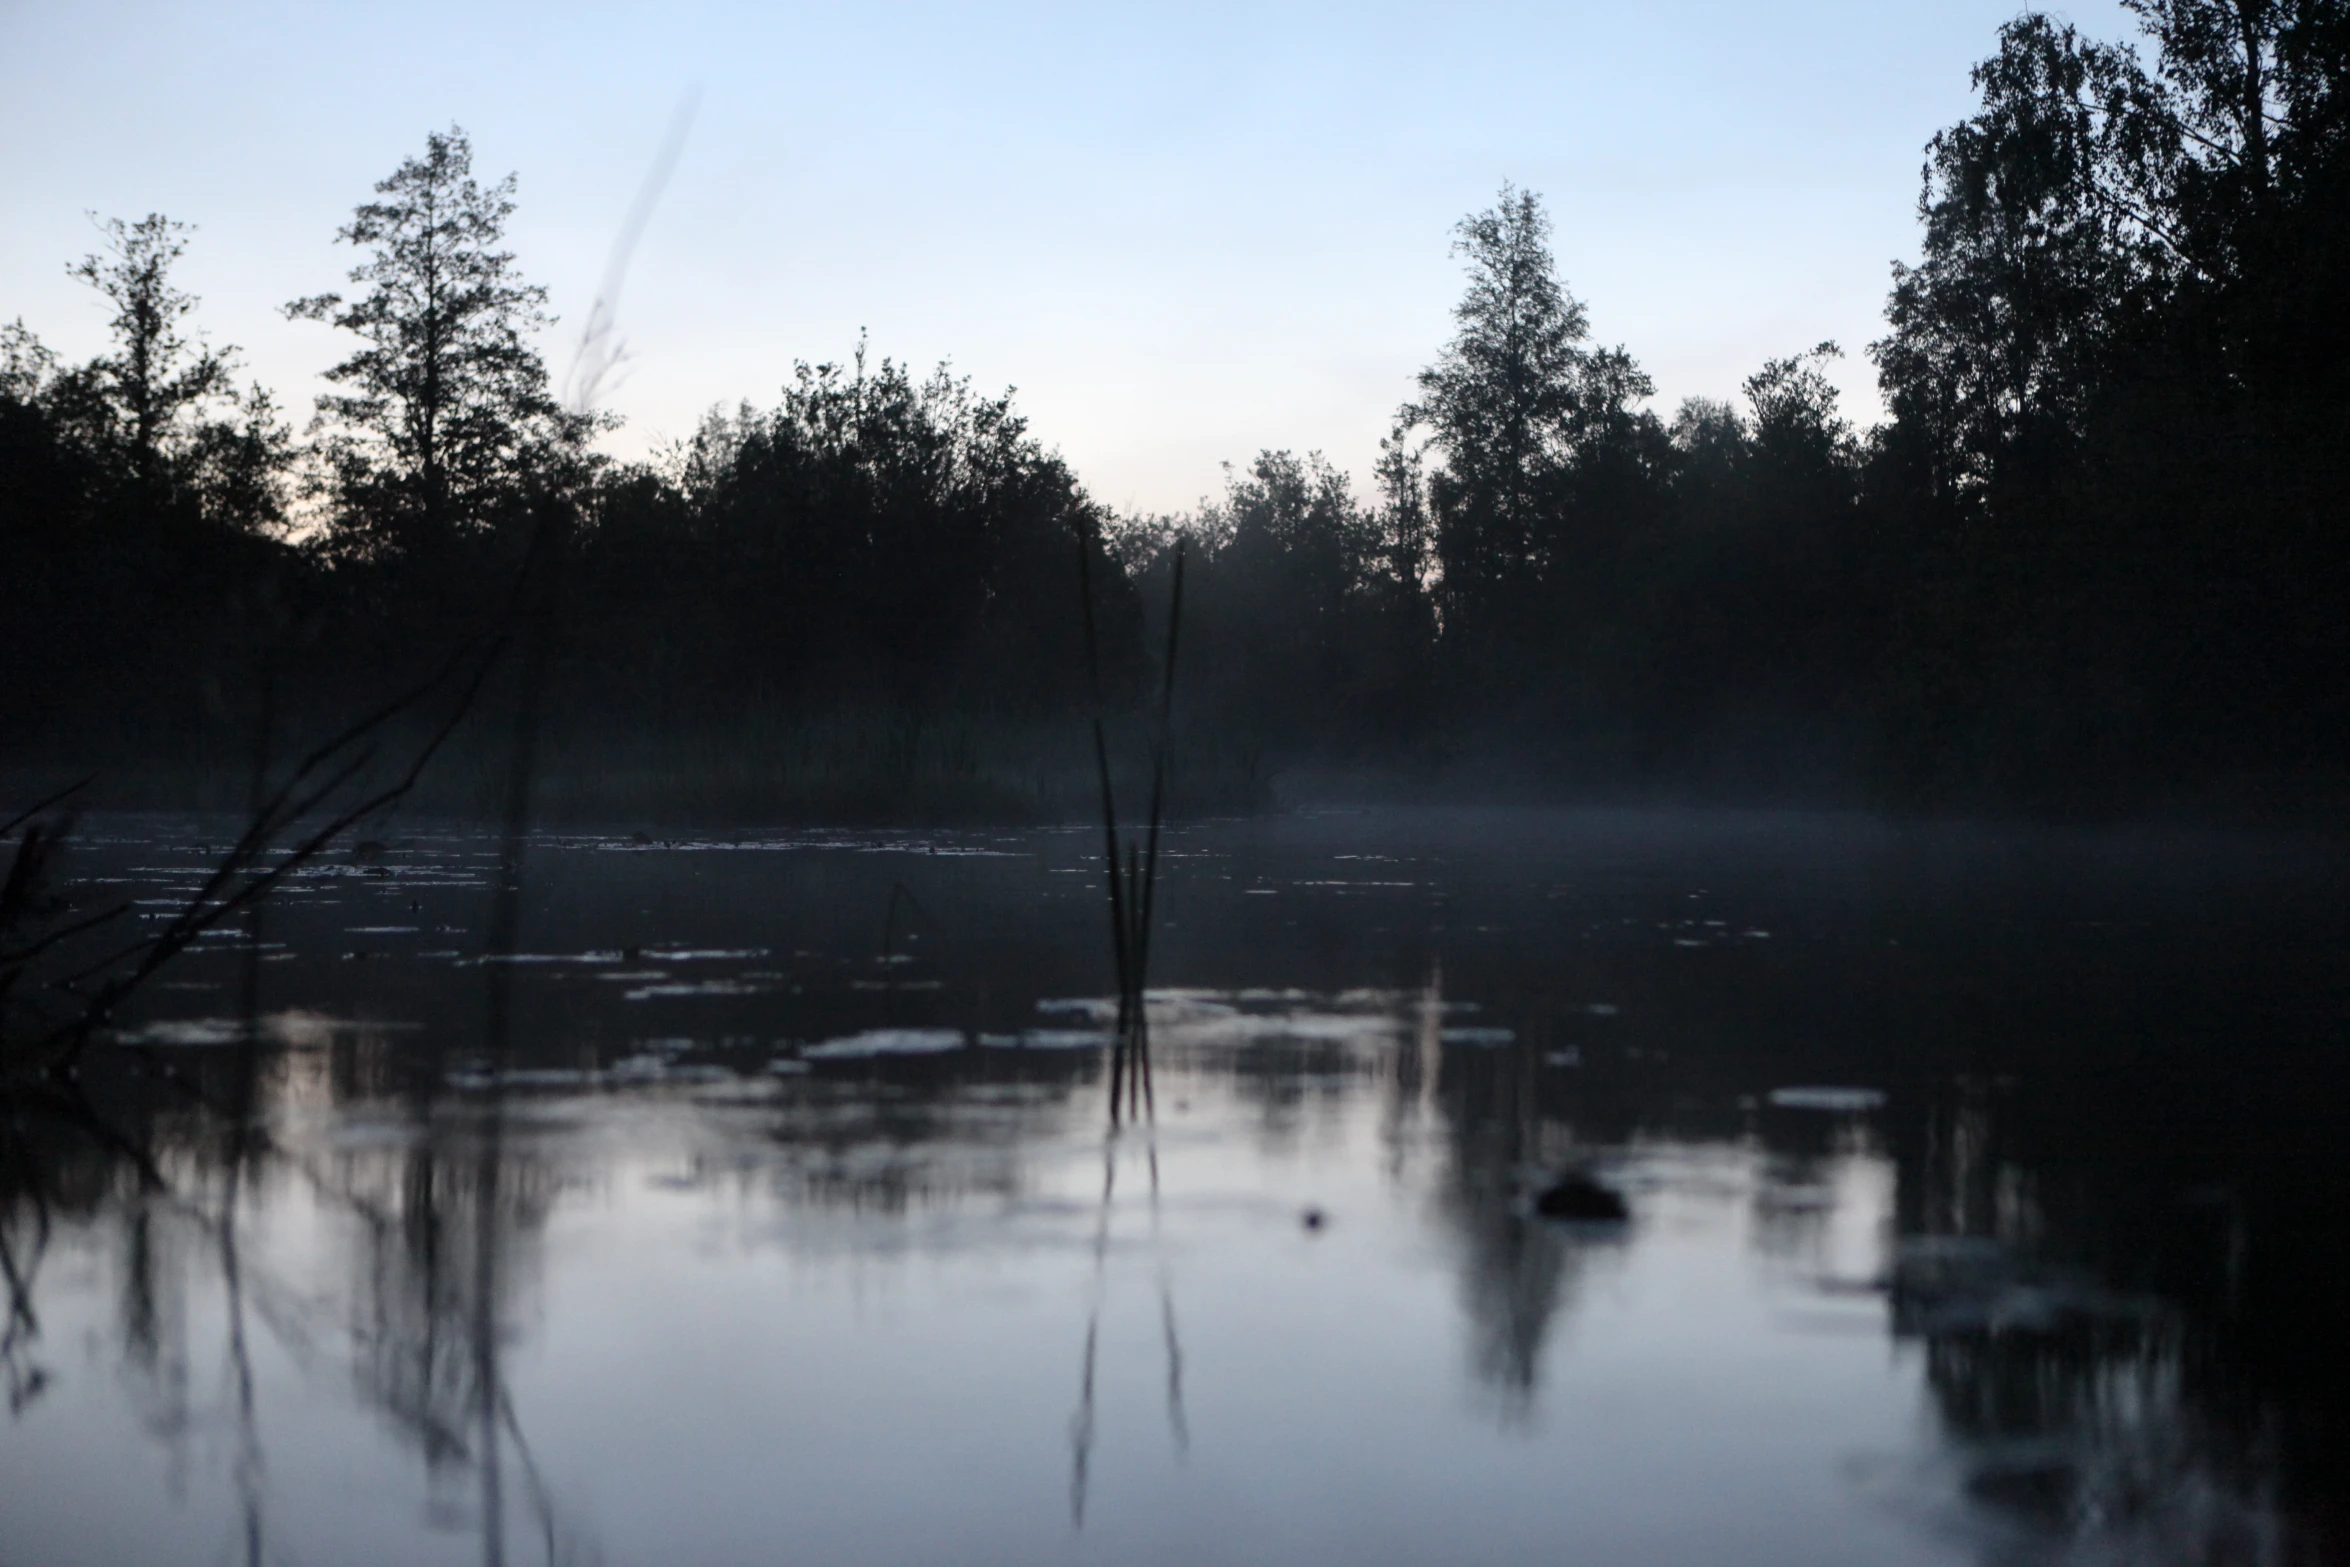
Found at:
<point>446,404</point>
<point>2091,559</point>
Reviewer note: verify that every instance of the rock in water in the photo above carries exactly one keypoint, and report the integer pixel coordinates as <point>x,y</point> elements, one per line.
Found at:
<point>1581,1197</point>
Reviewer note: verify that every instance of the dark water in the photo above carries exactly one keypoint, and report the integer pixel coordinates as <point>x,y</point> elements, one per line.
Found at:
<point>1987,1205</point>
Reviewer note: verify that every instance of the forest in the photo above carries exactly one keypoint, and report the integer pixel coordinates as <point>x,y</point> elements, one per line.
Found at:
<point>2090,562</point>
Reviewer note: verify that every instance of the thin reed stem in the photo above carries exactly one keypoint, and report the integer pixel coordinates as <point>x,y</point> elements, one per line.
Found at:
<point>1130,872</point>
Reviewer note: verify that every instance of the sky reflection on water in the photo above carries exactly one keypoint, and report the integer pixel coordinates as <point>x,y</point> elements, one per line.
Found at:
<point>817,1247</point>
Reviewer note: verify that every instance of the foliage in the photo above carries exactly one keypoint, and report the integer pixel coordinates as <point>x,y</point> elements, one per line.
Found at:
<point>873,537</point>
<point>2091,561</point>
<point>155,374</point>
<point>1517,408</point>
<point>447,412</point>
<point>2118,387</point>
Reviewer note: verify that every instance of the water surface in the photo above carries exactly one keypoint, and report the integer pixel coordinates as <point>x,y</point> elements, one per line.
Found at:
<point>1984,1192</point>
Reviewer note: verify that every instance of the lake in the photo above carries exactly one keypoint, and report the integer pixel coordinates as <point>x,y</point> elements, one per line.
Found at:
<point>1985,1192</point>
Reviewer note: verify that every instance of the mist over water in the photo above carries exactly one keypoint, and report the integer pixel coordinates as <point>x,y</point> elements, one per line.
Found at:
<point>1983,1191</point>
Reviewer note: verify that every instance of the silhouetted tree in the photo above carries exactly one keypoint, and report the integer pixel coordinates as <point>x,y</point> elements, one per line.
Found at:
<point>157,375</point>
<point>2117,375</point>
<point>135,493</point>
<point>448,403</point>
<point>2095,221</point>
<point>1531,428</point>
<point>239,466</point>
<point>27,367</point>
<point>876,540</point>
<point>1503,400</point>
<point>2096,547</point>
<point>1278,599</point>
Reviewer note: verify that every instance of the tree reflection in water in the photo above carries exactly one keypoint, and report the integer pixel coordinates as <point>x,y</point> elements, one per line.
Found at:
<point>2106,1380</point>
<point>2119,1309</point>
<point>1518,1272</point>
<point>2080,1294</point>
<point>442,1232</point>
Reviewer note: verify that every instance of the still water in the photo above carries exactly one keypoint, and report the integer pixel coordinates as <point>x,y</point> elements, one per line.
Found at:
<point>1985,1188</point>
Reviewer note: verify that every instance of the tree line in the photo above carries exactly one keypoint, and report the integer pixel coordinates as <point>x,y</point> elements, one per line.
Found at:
<point>2089,560</point>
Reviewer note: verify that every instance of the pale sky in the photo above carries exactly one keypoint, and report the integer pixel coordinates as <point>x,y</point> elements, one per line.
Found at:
<point>1184,233</point>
